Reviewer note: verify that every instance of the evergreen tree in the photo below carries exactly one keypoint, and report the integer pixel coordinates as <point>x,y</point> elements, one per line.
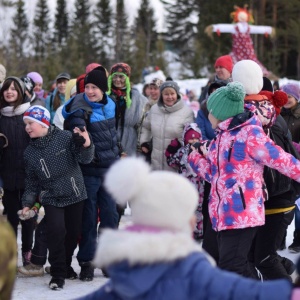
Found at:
<point>41,35</point>
<point>61,24</point>
<point>182,27</point>
<point>19,43</point>
<point>103,31</point>
<point>145,26</point>
<point>81,40</point>
<point>121,32</point>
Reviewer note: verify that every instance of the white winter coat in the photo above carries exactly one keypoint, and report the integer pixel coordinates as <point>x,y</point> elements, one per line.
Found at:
<point>164,124</point>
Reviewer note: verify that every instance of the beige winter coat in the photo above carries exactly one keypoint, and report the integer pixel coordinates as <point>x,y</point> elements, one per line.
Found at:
<point>164,124</point>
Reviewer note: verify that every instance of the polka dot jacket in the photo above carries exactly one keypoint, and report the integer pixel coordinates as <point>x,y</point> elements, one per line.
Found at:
<point>52,169</point>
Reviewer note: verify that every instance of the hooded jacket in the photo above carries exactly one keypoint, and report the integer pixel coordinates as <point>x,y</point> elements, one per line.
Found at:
<point>292,118</point>
<point>234,167</point>
<point>168,265</point>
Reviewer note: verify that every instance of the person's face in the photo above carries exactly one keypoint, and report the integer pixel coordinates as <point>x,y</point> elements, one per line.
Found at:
<point>154,92</point>
<point>222,73</point>
<point>214,122</point>
<point>93,92</point>
<point>34,129</point>
<point>169,96</point>
<point>292,101</point>
<point>61,85</point>
<point>38,86</point>
<point>11,94</point>
<point>193,141</point>
<point>119,81</point>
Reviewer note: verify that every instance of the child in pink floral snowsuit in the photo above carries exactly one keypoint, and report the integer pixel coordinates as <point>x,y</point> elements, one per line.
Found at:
<point>234,166</point>
<point>177,157</point>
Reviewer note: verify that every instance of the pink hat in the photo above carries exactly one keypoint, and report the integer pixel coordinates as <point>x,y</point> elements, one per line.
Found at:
<point>225,61</point>
<point>36,77</point>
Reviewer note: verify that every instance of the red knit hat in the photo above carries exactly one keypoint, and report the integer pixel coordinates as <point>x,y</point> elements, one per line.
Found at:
<point>225,61</point>
<point>191,134</point>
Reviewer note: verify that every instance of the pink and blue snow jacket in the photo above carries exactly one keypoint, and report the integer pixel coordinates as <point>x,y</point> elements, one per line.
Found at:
<point>234,167</point>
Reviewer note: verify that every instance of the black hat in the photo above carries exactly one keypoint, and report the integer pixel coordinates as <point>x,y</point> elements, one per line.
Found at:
<point>29,84</point>
<point>98,78</point>
<point>267,85</point>
<point>63,76</point>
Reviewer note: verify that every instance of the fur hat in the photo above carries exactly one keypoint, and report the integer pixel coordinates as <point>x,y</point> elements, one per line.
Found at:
<point>156,81</point>
<point>292,89</point>
<point>98,78</point>
<point>39,114</point>
<point>36,77</point>
<point>2,73</point>
<point>226,62</point>
<point>121,68</point>
<point>63,76</point>
<point>227,101</point>
<point>249,74</point>
<point>29,84</point>
<point>18,81</point>
<point>158,198</point>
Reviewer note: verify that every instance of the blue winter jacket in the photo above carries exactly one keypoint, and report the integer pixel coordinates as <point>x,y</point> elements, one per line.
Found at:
<point>99,119</point>
<point>208,133</point>
<point>190,278</point>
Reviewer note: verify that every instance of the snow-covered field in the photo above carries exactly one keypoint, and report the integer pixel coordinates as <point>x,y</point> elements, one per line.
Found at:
<point>37,287</point>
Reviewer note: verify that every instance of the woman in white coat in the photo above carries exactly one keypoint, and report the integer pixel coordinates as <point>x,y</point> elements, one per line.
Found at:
<point>164,122</point>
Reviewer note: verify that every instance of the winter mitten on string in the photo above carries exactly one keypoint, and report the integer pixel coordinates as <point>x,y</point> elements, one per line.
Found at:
<point>173,147</point>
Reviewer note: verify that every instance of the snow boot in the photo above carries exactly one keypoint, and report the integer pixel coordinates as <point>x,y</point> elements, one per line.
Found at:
<point>31,270</point>
<point>272,268</point>
<point>71,274</point>
<point>56,283</point>
<point>87,271</point>
<point>295,246</point>
<point>287,264</point>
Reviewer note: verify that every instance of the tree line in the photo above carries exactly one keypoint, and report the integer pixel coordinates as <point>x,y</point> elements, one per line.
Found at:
<point>101,33</point>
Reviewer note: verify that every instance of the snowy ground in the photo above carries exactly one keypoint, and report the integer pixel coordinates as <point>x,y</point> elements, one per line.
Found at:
<point>37,287</point>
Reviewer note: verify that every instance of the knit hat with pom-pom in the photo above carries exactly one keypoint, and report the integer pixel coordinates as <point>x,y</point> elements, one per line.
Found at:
<point>158,199</point>
<point>227,101</point>
<point>278,99</point>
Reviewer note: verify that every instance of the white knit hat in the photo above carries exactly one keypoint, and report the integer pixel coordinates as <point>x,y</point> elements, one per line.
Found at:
<point>249,74</point>
<point>158,198</point>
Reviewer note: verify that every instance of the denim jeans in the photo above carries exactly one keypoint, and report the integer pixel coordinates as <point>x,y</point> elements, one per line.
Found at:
<point>97,198</point>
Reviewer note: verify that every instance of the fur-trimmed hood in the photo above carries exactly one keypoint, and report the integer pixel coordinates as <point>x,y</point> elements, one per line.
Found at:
<point>143,248</point>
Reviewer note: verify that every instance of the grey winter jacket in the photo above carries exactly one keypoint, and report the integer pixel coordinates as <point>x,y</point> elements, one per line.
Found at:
<point>52,169</point>
<point>133,115</point>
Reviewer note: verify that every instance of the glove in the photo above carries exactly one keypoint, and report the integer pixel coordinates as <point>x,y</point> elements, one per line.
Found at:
<point>28,215</point>
<point>173,147</point>
<point>146,145</point>
<point>78,139</point>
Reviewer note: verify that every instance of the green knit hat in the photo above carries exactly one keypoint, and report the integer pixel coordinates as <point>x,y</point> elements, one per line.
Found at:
<point>227,101</point>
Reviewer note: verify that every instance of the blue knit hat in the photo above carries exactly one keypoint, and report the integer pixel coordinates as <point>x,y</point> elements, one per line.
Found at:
<point>227,101</point>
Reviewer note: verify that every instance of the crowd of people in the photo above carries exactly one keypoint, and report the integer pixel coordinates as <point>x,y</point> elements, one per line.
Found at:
<point>222,176</point>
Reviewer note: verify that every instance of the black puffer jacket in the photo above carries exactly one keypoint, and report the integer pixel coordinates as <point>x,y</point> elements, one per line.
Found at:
<point>279,186</point>
<point>53,171</point>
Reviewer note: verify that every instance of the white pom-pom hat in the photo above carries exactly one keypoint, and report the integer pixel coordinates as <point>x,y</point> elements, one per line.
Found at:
<point>157,198</point>
<point>249,74</point>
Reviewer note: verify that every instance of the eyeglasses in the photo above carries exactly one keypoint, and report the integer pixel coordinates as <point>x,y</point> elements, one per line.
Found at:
<point>120,77</point>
